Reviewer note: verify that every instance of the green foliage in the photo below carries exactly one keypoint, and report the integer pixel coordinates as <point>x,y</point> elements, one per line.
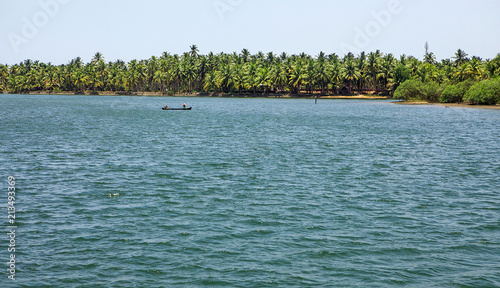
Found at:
<point>401,74</point>
<point>432,91</point>
<point>485,92</point>
<point>410,89</point>
<point>246,73</point>
<point>455,93</point>
<point>417,90</point>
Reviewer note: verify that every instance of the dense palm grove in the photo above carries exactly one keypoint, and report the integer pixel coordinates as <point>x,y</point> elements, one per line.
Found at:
<point>246,73</point>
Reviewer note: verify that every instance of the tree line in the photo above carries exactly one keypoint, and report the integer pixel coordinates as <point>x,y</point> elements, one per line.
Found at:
<point>246,73</point>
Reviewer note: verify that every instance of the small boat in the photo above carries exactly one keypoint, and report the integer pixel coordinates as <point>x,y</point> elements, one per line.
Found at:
<point>187,108</point>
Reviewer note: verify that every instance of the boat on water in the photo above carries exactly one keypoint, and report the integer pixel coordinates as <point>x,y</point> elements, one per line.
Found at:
<point>187,108</point>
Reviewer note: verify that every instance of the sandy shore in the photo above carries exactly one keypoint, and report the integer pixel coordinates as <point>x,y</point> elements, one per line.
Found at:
<point>160,94</point>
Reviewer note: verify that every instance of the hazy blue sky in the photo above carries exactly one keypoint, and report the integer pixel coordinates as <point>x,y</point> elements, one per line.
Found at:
<point>59,30</point>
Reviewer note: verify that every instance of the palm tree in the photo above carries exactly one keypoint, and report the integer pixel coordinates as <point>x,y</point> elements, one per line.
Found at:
<point>490,67</point>
<point>243,72</point>
<point>350,72</point>
<point>210,81</point>
<point>263,77</point>
<point>194,51</point>
<point>4,74</point>
<point>427,72</point>
<point>298,76</point>
<point>225,80</point>
<point>102,72</point>
<point>322,75</point>
<point>361,64</point>
<point>238,71</point>
<point>189,73</point>
<point>201,69</point>
<point>252,79</point>
<point>50,79</point>
<point>176,76</point>
<point>335,74</point>
<point>97,58</point>
<point>81,80</point>
<point>245,55</point>
<point>277,77</point>
<point>475,70</point>
<point>16,83</point>
<point>373,67</point>
<point>460,57</point>
<point>430,58</point>
<point>283,56</point>
<point>270,58</point>
<point>159,80</point>
<point>387,68</point>
<point>400,75</point>
<point>311,78</point>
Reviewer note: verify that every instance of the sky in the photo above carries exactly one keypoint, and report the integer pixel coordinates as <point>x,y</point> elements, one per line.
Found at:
<point>58,31</point>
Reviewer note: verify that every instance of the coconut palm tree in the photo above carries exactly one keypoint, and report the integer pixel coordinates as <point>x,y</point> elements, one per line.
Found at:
<point>243,72</point>
<point>373,67</point>
<point>322,75</point>
<point>252,79</point>
<point>81,80</point>
<point>188,73</point>
<point>210,81</point>
<point>194,51</point>
<point>430,58</point>
<point>298,76</point>
<point>4,74</point>
<point>335,75</point>
<point>263,77</point>
<point>361,64</point>
<point>227,81</point>
<point>460,57</point>
<point>238,74</point>
<point>350,72</point>
<point>97,58</point>
<point>245,55</point>
<point>387,68</point>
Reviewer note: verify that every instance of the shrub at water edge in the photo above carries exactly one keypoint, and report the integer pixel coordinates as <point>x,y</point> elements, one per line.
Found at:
<point>410,89</point>
<point>485,92</point>
<point>417,90</point>
<point>455,93</point>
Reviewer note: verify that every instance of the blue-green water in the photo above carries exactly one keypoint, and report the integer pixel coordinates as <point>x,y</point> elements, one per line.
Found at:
<point>250,193</point>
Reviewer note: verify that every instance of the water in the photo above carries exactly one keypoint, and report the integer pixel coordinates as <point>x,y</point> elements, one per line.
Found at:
<point>250,193</point>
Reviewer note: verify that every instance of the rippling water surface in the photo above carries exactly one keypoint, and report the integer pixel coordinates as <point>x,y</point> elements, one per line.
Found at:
<point>250,193</point>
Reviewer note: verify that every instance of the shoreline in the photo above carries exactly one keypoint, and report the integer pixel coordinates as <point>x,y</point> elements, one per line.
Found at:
<point>448,105</point>
<point>285,96</point>
<point>160,94</point>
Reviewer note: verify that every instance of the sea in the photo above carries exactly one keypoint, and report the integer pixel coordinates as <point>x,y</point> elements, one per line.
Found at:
<point>247,192</point>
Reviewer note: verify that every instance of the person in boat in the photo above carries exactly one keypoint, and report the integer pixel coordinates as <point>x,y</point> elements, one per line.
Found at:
<point>166,107</point>
<point>184,105</point>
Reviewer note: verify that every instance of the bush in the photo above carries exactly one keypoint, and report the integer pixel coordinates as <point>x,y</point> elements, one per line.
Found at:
<point>417,90</point>
<point>485,92</point>
<point>432,92</point>
<point>455,93</point>
<point>410,89</point>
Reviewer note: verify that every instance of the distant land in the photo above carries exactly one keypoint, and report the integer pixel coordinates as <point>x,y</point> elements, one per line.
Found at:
<point>368,75</point>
